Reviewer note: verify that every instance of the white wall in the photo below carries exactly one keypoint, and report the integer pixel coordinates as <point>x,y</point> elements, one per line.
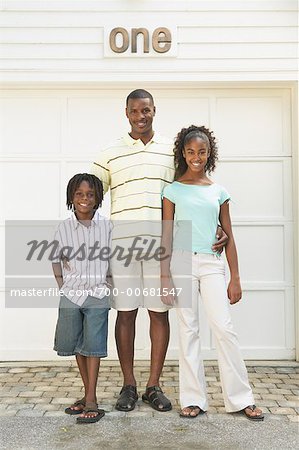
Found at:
<point>217,40</point>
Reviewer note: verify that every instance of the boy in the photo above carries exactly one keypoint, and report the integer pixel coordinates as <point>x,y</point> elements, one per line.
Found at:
<point>82,324</point>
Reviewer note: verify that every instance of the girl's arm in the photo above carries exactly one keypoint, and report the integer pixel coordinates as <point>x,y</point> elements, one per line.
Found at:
<point>166,242</point>
<point>234,290</point>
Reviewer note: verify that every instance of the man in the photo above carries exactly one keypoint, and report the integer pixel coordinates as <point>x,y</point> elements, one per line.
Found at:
<point>136,168</point>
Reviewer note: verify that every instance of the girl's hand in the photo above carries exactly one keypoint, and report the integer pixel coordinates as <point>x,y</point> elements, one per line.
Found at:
<point>167,287</point>
<point>234,291</point>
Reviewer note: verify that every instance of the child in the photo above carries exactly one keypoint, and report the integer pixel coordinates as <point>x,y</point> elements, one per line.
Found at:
<point>82,324</point>
<point>194,197</point>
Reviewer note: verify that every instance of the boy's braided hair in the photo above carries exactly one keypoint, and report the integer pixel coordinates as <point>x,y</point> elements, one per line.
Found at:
<point>92,180</point>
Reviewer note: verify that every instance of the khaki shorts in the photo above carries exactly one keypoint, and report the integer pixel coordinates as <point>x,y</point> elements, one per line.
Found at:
<point>137,286</point>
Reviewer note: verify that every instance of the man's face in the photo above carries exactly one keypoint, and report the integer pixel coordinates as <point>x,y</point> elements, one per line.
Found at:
<point>140,113</point>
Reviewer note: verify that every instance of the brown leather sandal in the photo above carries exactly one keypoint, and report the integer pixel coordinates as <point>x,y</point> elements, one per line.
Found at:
<point>192,408</point>
<point>156,399</point>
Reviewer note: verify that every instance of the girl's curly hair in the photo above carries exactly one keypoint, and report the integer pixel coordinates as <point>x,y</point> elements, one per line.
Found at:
<point>185,136</point>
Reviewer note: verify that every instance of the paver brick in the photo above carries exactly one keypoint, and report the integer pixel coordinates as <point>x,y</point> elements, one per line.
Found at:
<point>29,394</point>
<point>265,370</point>
<point>6,413</point>
<point>285,370</point>
<point>63,400</point>
<point>264,385</point>
<point>280,391</point>
<point>288,404</point>
<point>272,397</point>
<point>268,403</point>
<point>18,370</point>
<point>284,411</point>
<point>293,418</point>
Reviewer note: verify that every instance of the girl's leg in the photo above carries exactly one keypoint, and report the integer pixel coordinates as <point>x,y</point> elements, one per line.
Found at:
<point>191,369</point>
<point>236,390</point>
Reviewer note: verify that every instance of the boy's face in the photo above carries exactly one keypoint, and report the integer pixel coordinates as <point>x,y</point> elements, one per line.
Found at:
<point>84,200</point>
<point>140,113</point>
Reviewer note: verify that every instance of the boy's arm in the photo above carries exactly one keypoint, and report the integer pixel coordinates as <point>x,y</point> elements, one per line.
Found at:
<point>234,288</point>
<point>57,270</point>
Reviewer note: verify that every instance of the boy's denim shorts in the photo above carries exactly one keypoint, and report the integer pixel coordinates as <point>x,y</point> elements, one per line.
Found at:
<point>82,329</point>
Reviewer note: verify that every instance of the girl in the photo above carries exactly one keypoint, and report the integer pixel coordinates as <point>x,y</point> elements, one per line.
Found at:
<point>194,197</point>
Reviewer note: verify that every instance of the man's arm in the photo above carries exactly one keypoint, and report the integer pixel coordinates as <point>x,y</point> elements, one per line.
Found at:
<point>100,169</point>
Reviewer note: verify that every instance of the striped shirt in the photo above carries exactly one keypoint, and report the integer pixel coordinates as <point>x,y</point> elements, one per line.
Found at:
<point>84,270</point>
<point>136,174</point>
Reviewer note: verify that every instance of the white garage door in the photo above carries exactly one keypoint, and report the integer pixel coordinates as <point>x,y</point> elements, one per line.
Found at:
<point>48,135</point>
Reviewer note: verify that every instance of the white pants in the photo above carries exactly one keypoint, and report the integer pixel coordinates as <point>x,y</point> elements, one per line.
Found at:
<point>208,280</point>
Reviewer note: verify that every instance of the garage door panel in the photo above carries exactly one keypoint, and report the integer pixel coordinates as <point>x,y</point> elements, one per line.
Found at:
<point>261,252</point>
<point>253,126</point>
<point>30,125</point>
<point>189,110</point>
<point>258,317</point>
<point>260,190</point>
<point>37,183</point>
<point>106,121</point>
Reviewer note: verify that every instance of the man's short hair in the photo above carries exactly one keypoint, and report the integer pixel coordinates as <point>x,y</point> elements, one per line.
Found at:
<point>139,93</point>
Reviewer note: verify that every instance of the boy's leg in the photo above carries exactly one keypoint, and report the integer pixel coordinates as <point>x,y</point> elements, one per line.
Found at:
<point>92,347</point>
<point>68,333</point>
<point>89,370</point>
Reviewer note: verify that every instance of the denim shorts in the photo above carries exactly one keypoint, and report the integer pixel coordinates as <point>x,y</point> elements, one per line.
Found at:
<point>82,329</point>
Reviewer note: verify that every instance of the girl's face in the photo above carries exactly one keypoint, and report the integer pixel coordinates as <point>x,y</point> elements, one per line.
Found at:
<point>84,200</point>
<point>196,154</point>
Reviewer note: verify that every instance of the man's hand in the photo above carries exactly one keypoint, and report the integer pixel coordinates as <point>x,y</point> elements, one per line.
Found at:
<point>167,287</point>
<point>222,241</point>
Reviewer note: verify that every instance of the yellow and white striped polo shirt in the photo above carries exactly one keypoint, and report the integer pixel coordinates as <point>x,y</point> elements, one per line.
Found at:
<point>136,174</point>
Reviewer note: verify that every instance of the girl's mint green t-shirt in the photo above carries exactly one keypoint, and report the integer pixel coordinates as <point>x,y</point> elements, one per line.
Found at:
<point>196,208</point>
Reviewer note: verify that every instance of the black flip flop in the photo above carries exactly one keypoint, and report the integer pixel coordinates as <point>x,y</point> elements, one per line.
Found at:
<point>73,412</point>
<point>91,407</point>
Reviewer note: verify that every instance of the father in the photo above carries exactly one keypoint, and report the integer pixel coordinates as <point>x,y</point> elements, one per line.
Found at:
<point>136,168</point>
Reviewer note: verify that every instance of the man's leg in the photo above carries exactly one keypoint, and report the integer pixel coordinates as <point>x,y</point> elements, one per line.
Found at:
<point>125,337</point>
<point>159,334</point>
